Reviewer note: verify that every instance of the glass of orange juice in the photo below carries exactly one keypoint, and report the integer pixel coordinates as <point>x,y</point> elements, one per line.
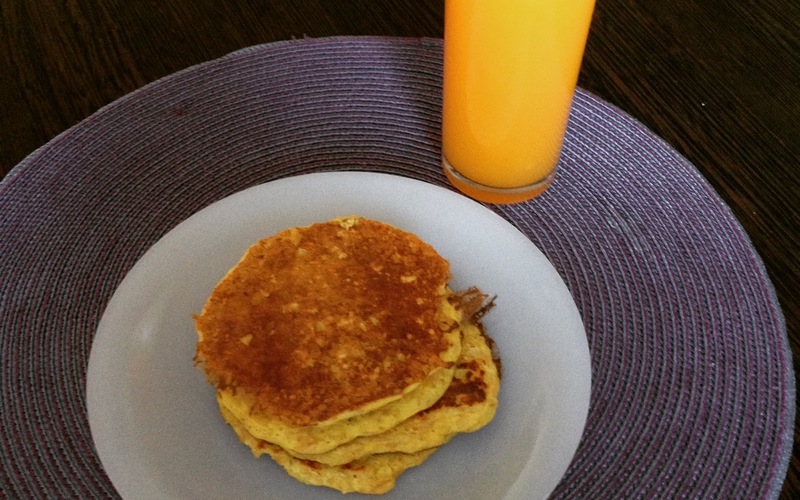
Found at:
<point>510,70</point>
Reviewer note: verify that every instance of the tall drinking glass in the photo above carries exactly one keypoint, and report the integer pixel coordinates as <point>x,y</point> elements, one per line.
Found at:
<point>510,70</point>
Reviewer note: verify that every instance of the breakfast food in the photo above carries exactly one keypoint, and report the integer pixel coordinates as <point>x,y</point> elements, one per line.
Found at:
<point>339,350</point>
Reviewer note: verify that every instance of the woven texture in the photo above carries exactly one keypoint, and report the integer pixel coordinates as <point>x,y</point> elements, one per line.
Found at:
<point>693,389</point>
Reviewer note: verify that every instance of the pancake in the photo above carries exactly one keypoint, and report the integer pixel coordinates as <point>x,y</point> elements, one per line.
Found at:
<point>375,474</point>
<point>339,350</point>
<point>321,324</point>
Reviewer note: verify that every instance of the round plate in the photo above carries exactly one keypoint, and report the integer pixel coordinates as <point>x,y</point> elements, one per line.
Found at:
<point>154,419</point>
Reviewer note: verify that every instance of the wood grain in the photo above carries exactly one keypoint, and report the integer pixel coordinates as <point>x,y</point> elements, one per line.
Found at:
<point>718,80</point>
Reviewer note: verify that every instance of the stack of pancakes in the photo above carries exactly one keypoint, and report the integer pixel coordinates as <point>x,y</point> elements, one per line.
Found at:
<point>339,350</point>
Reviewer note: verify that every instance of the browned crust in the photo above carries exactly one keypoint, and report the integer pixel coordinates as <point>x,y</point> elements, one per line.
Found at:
<point>471,390</point>
<point>321,320</point>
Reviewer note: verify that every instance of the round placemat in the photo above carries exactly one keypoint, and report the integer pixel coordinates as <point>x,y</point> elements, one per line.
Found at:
<point>693,388</point>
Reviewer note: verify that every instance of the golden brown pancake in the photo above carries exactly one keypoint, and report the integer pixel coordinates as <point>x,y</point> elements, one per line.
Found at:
<point>339,350</point>
<point>319,321</point>
<point>322,323</point>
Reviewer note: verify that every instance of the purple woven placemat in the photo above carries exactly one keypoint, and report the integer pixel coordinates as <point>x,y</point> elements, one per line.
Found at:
<point>693,389</point>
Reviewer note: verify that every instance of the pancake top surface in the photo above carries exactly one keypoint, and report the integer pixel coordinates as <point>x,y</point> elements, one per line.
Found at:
<point>321,320</point>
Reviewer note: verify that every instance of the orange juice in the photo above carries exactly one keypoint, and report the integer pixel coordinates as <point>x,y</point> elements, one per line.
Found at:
<point>510,70</point>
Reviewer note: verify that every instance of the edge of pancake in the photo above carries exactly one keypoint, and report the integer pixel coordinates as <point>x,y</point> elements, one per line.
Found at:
<point>375,474</point>
<point>322,438</point>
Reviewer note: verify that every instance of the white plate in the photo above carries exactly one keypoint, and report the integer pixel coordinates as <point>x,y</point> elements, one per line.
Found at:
<point>154,419</point>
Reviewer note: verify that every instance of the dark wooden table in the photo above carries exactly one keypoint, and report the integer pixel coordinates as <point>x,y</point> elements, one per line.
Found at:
<point>717,79</point>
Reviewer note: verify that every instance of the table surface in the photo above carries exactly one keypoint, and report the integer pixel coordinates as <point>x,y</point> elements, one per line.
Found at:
<point>718,80</point>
